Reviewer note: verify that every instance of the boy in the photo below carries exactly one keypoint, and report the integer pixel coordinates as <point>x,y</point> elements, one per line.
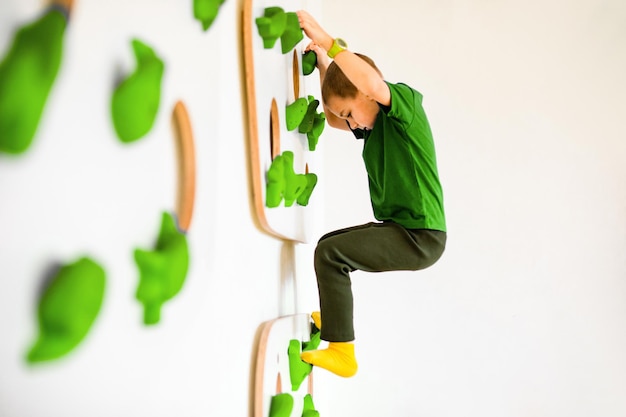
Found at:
<point>405,192</point>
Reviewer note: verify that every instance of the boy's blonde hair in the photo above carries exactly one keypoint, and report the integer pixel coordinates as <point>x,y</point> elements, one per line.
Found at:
<point>336,84</point>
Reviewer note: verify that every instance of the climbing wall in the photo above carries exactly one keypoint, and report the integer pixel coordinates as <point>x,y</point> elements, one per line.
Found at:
<point>274,80</point>
<point>283,383</point>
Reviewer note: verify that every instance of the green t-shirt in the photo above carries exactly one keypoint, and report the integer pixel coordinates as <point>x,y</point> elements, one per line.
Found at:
<point>400,160</point>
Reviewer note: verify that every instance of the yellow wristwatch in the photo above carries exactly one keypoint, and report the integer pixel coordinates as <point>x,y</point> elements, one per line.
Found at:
<point>338,46</point>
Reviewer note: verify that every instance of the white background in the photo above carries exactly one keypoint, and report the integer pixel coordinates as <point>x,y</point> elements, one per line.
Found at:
<point>525,315</point>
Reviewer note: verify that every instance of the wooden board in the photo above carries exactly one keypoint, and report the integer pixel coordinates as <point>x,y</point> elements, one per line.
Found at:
<point>272,363</point>
<point>186,153</point>
<point>274,80</point>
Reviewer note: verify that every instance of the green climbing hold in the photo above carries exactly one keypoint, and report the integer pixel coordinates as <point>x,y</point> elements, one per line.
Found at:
<point>162,270</point>
<point>292,34</point>
<point>311,182</point>
<point>309,61</point>
<point>206,11</point>
<point>314,342</point>
<point>294,183</point>
<point>307,121</point>
<point>27,74</point>
<point>283,182</point>
<point>281,405</point>
<point>295,113</point>
<point>298,369</point>
<point>308,410</point>
<point>314,134</point>
<point>275,183</point>
<point>276,23</point>
<point>135,101</point>
<point>67,309</point>
<point>271,25</point>
<point>312,123</point>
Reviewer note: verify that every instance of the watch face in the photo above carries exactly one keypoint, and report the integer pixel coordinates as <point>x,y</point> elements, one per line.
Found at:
<point>342,43</point>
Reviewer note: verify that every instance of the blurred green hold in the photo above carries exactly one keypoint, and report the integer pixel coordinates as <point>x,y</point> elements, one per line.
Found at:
<point>298,369</point>
<point>311,182</point>
<point>275,183</point>
<point>307,121</point>
<point>27,74</point>
<point>281,405</point>
<point>283,182</point>
<point>67,309</point>
<point>314,134</point>
<point>162,271</point>
<point>271,25</point>
<point>135,101</point>
<point>292,34</point>
<point>309,61</point>
<point>312,123</point>
<point>276,23</point>
<point>295,113</point>
<point>308,410</point>
<point>314,342</point>
<point>206,11</point>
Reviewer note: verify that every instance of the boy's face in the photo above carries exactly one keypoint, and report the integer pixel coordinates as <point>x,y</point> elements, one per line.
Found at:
<point>359,111</point>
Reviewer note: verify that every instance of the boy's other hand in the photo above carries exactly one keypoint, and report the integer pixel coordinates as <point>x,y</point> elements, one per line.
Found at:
<point>323,61</point>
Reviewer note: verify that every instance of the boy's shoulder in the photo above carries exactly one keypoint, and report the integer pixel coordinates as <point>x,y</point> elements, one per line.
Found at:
<point>401,88</point>
<point>405,103</point>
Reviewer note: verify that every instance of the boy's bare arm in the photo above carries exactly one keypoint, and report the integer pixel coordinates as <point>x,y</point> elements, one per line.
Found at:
<point>322,63</point>
<point>360,73</point>
<point>366,79</point>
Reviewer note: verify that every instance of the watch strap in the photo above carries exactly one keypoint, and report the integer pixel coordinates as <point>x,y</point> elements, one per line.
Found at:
<point>339,45</point>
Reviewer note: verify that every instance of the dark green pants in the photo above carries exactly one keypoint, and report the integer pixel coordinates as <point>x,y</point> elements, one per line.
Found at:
<point>372,247</point>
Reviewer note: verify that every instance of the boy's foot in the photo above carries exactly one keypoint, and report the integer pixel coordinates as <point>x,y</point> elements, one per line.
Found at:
<point>317,319</point>
<point>338,358</point>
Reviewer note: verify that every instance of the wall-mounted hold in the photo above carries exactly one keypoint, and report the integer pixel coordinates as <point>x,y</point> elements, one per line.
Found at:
<point>314,340</point>
<point>281,405</point>
<point>162,270</point>
<point>27,74</point>
<point>307,121</point>
<point>276,23</point>
<point>206,11</point>
<point>316,131</point>
<point>67,309</point>
<point>309,408</point>
<point>275,183</point>
<point>298,369</point>
<point>271,26</point>
<point>295,112</point>
<point>135,101</point>
<point>292,34</point>
<point>311,182</point>
<point>283,182</point>
<point>312,123</point>
<point>309,61</point>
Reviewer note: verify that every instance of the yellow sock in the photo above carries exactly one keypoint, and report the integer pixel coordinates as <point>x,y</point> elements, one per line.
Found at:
<point>317,319</point>
<point>338,358</point>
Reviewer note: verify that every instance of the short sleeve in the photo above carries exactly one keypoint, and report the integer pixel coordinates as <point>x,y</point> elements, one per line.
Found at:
<point>404,100</point>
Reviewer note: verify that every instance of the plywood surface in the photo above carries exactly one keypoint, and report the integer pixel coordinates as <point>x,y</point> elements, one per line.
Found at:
<point>272,363</point>
<point>274,80</point>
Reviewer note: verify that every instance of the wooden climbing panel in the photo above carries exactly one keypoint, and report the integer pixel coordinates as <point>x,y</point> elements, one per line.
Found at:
<point>274,80</point>
<point>272,374</point>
